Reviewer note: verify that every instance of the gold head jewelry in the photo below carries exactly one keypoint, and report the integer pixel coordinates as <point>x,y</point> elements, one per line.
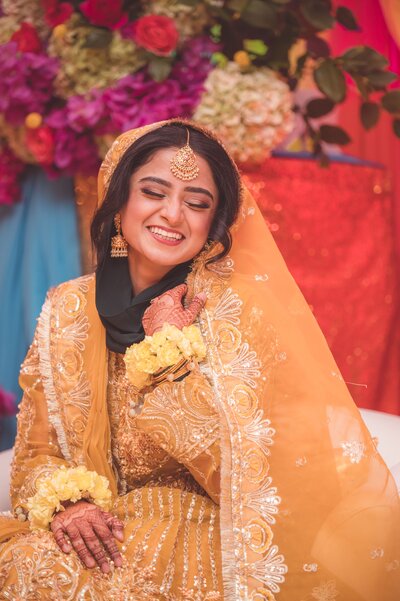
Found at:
<point>119,246</point>
<point>183,164</point>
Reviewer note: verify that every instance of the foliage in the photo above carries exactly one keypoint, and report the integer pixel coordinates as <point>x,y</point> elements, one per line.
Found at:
<point>74,74</point>
<point>269,29</point>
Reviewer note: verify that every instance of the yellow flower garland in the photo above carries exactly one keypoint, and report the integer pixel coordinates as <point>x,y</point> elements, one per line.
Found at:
<point>161,350</point>
<point>66,484</point>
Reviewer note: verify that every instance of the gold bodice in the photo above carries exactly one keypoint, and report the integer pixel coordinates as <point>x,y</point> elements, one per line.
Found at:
<point>137,460</point>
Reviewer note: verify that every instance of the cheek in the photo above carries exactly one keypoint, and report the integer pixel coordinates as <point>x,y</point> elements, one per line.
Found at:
<point>201,226</point>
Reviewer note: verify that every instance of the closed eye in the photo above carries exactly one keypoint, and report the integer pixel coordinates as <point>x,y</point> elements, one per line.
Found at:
<point>198,205</point>
<point>153,193</point>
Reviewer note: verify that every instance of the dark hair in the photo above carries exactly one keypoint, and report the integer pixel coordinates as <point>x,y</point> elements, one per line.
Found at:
<point>140,152</point>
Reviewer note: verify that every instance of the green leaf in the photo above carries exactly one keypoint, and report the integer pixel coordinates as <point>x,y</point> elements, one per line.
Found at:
<point>391,101</point>
<point>396,127</point>
<point>257,47</point>
<point>216,31</point>
<point>260,14</point>
<point>380,79</point>
<point>98,38</point>
<point>318,107</point>
<point>361,85</point>
<point>318,13</point>
<point>330,80</point>
<point>363,59</point>
<point>159,68</point>
<point>317,47</point>
<point>345,17</point>
<point>218,58</point>
<point>334,135</point>
<point>369,114</point>
<point>281,1</point>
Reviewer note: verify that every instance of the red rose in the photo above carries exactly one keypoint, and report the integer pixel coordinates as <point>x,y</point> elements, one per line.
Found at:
<point>57,13</point>
<point>104,13</point>
<point>27,38</point>
<point>40,142</point>
<point>156,33</point>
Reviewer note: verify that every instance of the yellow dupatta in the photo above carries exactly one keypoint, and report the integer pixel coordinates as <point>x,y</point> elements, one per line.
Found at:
<point>309,510</point>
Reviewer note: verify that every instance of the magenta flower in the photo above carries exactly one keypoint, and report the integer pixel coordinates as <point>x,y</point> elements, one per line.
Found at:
<point>137,99</point>
<point>26,82</point>
<point>7,403</point>
<point>74,151</point>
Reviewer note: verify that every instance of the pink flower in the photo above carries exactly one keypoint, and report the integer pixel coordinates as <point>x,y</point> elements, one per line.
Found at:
<point>26,82</point>
<point>104,13</point>
<point>11,169</point>
<point>27,38</point>
<point>7,404</point>
<point>40,142</point>
<point>56,12</point>
<point>156,33</point>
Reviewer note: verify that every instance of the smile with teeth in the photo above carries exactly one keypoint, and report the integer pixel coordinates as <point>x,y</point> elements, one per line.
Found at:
<point>164,234</point>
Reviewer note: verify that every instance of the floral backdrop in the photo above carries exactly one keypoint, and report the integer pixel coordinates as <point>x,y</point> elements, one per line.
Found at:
<point>73,75</point>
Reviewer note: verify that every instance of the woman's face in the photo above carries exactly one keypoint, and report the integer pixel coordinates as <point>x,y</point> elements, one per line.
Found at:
<point>166,220</point>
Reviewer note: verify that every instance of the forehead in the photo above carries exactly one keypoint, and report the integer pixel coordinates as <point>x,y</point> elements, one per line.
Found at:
<point>159,165</point>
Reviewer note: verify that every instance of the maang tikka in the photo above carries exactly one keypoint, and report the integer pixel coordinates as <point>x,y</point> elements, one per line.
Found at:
<point>119,246</point>
<point>183,164</point>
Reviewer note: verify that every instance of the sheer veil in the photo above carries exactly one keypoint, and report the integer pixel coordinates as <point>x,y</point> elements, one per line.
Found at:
<point>309,510</point>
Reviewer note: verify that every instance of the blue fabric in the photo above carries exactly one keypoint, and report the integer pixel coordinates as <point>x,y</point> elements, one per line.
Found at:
<point>39,248</point>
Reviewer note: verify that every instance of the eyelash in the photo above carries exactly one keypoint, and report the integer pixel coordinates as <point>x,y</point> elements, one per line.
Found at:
<point>160,196</point>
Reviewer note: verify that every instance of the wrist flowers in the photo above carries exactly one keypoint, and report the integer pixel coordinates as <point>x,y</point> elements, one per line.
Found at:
<point>66,484</point>
<point>148,361</point>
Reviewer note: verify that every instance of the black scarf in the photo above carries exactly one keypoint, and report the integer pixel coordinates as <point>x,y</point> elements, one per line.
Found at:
<point>120,311</point>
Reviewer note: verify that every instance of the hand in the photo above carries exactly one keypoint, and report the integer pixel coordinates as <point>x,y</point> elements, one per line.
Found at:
<point>91,532</point>
<point>168,308</point>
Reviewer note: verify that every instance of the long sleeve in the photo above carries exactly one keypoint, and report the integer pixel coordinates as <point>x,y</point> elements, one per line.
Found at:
<point>36,449</point>
<point>182,419</point>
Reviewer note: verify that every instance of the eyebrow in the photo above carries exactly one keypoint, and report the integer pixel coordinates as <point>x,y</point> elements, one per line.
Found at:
<point>163,182</point>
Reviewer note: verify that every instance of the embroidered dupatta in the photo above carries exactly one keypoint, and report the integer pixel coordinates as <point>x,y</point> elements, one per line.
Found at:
<point>308,509</point>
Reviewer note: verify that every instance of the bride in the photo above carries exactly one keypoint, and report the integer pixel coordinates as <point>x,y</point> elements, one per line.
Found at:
<point>184,431</point>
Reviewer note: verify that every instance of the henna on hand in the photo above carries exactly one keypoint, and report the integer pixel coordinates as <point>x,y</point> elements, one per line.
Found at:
<point>168,308</point>
<point>91,532</point>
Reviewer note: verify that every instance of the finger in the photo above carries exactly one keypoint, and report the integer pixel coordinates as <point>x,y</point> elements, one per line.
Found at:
<point>109,543</point>
<point>96,549</point>
<point>117,528</point>
<point>59,537</point>
<point>195,307</point>
<point>179,291</point>
<point>115,525</point>
<point>80,546</point>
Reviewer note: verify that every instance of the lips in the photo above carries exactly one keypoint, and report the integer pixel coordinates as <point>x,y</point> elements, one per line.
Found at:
<point>165,235</point>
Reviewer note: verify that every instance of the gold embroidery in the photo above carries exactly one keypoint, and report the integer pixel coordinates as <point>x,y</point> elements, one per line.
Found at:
<point>326,592</point>
<point>247,437</point>
<point>180,417</point>
<point>62,334</point>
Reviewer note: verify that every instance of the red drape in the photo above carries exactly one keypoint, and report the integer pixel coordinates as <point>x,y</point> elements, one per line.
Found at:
<point>380,144</point>
<point>333,227</point>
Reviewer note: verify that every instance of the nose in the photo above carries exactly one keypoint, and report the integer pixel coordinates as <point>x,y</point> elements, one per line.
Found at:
<point>172,211</point>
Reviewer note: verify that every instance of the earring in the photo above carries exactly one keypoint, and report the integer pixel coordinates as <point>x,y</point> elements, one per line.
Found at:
<point>119,246</point>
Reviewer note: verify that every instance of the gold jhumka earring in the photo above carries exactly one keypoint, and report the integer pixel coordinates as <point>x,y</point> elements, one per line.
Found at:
<point>119,246</point>
<point>183,164</point>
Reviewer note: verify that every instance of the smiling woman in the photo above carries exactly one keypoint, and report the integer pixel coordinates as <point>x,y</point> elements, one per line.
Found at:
<point>222,456</point>
<point>165,221</point>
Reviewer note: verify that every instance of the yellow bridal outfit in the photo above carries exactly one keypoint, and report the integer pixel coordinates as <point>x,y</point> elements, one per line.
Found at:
<point>254,478</point>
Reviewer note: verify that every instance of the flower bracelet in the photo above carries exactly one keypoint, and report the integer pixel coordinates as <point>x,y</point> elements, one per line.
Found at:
<point>66,484</point>
<point>166,355</point>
